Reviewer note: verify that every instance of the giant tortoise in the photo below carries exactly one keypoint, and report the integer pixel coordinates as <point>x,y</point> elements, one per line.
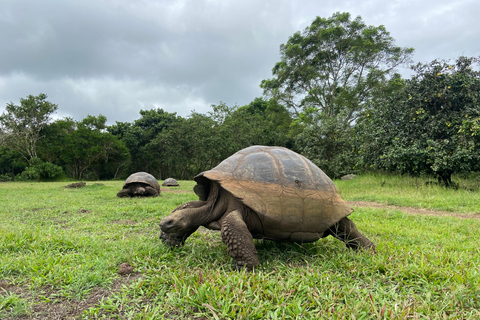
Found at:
<point>140,184</point>
<point>264,193</point>
<point>170,182</point>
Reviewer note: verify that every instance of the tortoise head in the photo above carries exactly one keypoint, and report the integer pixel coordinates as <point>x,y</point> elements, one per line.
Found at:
<point>139,190</point>
<point>182,222</point>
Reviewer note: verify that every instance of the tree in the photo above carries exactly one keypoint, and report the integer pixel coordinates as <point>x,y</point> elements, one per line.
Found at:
<point>333,65</point>
<point>261,122</point>
<point>431,124</point>
<point>83,148</point>
<point>93,122</point>
<point>329,146</point>
<point>11,163</point>
<point>94,154</point>
<point>56,138</point>
<point>264,122</point>
<point>137,135</point>
<point>187,148</point>
<point>22,124</point>
<point>326,76</point>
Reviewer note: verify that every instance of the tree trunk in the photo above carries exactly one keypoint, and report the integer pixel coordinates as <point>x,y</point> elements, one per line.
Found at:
<point>445,177</point>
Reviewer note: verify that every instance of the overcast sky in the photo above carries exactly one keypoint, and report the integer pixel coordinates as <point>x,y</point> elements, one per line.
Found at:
<point>117,57</point>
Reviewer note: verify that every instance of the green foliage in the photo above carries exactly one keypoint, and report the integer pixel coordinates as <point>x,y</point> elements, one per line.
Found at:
<point>326,76</point>
<point>430,123</point>
<point>84,149</point>
<point>56,135</point>
<point>167,145</point>
<point>20,125</point>
<point>40,171</point>
<point>94,153</point>
<point>187,148</point>
<point>259,123</point>
<point>11,163</point>
<point>93,123</point>
<point>329,146</point>
<point>137,135</point>
<point>333,65</point>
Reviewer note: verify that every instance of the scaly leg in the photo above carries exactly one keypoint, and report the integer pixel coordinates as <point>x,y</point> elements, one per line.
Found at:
<point>346,231</point>
<point>239,241</point>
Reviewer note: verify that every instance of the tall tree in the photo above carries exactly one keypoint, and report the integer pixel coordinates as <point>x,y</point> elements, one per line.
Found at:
<point>136,136</point>
<point>264,122</point>
<point>431,125</point>
<point>22,124</point>
<point>83,148</point>
<point>187,148</point>
<point>57,135</point>
<point>93,154</point>
<point>333,65</point>
<point>260,122</point>
<point>326,76</point>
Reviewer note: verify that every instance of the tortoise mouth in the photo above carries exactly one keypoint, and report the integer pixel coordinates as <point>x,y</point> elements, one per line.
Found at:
<point>172,240</point>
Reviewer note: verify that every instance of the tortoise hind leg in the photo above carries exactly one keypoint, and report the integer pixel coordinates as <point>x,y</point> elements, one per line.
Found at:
<point>346,231</point>
<point>239,241</point>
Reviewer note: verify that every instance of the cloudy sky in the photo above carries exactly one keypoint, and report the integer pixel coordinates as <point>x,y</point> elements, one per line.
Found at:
<point>117,57</point>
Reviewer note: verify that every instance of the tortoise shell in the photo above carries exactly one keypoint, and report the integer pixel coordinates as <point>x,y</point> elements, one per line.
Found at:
<point>142,177</point>
<point>170,182</point>
<point>293,198</point>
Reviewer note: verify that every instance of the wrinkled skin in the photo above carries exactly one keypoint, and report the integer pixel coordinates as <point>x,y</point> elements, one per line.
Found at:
<point>239,225</point>
<point>137,189</point>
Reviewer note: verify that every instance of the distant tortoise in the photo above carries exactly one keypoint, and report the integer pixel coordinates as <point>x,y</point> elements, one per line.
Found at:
<point>264,193</point>
<point>76,185</point>
<point>140,184</point>
<point>170,182</point>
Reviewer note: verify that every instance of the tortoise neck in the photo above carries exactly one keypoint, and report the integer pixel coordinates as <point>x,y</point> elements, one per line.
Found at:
<point>201,213</point>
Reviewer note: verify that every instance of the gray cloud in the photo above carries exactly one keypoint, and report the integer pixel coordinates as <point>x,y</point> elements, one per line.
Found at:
<point>118,57</point>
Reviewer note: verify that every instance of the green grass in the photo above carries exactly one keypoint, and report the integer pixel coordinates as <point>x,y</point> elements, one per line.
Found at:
<point>60,250</point>
<point>413,192</point>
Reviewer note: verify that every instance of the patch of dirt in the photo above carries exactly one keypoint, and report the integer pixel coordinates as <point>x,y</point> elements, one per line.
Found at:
<point>75,185</point>
<point>411,210</point>
<point>166,190</point>
<point>10,288</point>
<point>84,211</point>
<point>125,269</point>
<point>62,309</point>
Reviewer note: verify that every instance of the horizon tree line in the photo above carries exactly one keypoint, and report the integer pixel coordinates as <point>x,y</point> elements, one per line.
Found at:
<point>334,96</point>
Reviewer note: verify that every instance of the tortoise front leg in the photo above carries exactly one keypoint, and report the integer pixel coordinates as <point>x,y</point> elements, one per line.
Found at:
<point>149,191</point>
<point>346,231</point>
<point>123,193</point>
<point>239,241</point>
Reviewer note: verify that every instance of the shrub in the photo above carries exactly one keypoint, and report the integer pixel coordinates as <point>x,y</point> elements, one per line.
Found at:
<point>39,170</point>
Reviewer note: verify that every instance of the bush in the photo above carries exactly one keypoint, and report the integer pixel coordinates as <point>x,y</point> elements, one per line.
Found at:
<point>6,177</point>
<point>329,145</point>
<point>40,171</point>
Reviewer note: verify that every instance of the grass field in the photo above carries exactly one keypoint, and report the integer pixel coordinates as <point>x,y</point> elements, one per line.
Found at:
<point>60,252</point>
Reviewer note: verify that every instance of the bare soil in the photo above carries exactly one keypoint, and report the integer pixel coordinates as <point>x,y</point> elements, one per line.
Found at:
<point>59,308</point>
<point>167,190</point>
<point>411,210</point>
